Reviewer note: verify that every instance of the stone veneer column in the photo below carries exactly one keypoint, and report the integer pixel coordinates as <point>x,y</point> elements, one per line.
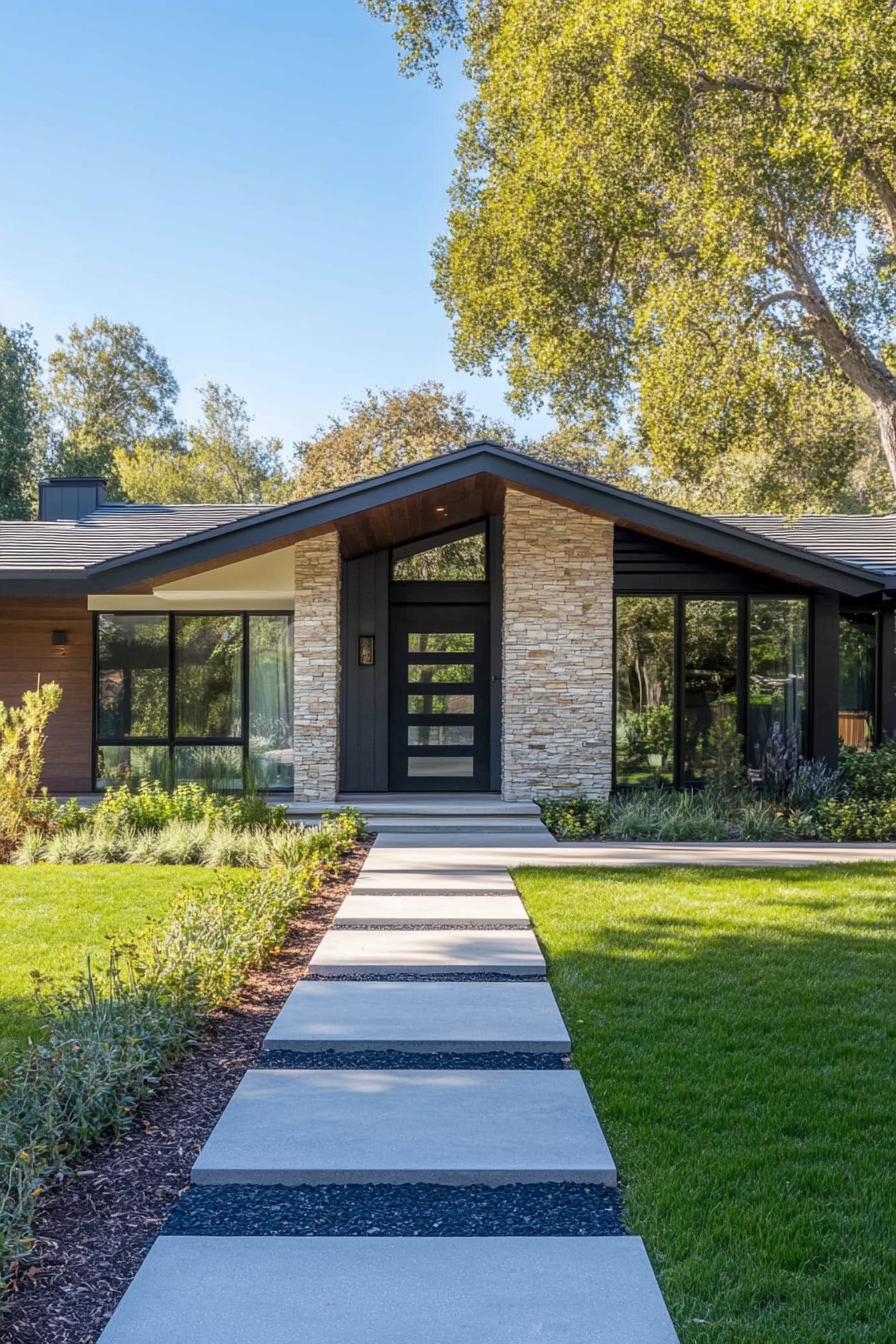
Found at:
<point>317,668</point>
<point>558,650</point>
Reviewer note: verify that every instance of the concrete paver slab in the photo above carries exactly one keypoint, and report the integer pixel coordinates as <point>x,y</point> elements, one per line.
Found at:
<point>463,1017</point>
<point>425,911</point>
<point>451,1127</point>
<point>421,952</point>
<point>393,1290</point>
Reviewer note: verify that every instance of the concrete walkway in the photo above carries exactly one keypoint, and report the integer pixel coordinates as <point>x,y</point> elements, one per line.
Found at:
<point>479,1098</point>
<point>429,864</point>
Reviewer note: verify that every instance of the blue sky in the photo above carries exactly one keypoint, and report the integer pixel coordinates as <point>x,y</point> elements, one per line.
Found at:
<point>251,183</point>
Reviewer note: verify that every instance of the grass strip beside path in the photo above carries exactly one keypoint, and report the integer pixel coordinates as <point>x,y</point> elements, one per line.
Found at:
<point>52,916</point>
<point>737,1032</point>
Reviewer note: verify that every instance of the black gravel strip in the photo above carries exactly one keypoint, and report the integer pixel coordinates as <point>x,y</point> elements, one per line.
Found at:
<point>401,1059</point>
<point>442,891</point>
<point>443,924</point>
<point>451,975</point>
<point>545,1209</point>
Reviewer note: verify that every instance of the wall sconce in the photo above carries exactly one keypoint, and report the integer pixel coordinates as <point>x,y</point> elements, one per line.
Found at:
<point>366,651</point>
<point>59,640</point>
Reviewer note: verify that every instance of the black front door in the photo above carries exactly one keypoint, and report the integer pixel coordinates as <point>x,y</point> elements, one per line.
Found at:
<point>439,698</point>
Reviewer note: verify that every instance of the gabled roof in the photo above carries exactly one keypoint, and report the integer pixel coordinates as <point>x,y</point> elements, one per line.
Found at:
<point>120,545</point>
<point>109,532</point>
<point>863,539</point>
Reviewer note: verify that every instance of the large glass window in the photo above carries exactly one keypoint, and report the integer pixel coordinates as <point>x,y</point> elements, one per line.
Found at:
<point>645,681</point>
<point>270,701</point>
<point>452,560</point>
<point>218,768</point>
<point>778,654</point>
<point>131,765</point>
<point>710,680</point>
<point>132,676</point>
<point>204,697</point>
<point>858,679</point>
<point>208,676</point>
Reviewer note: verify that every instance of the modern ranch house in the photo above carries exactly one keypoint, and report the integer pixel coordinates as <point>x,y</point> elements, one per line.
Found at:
<point>481,622</point>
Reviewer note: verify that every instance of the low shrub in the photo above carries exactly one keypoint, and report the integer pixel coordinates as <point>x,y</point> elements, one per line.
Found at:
<point>793,799</point>
<point>760,819</point>
<point>868,774</point>
<point>847,819</point>
<point>215,841</point>
<point>574,818</point>
<point>108,1037</point>
<point>661,816</point>
<point>152,807</point>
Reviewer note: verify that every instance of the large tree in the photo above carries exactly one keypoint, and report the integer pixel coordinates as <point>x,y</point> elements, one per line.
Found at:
<point>679,214</point>
<point>107,389</point>
<point>19,420</point>
<point>217,461</point>
<point>384,430</point>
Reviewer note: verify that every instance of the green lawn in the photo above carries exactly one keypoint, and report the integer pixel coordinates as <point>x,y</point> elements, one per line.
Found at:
<point>737,1031</point>
<point>52,916</point>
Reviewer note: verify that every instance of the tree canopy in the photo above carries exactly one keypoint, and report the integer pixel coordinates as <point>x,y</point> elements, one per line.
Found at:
<point>677,219</point>
<point>19,420</point>
<point>387,429</point>
<point>216,461</point>
<point>107,388</point>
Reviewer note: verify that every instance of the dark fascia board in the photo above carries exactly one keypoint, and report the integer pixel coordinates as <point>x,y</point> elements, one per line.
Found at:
<point>44,583</point>
<point>623,506</point>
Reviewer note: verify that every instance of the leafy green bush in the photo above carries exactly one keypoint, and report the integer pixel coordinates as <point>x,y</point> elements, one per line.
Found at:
<point>151,807</point>
<point>107,1038</point>
<point>845,819</point>
<point>574,818</point>
<point>868,774</point>
<point>23,735</point>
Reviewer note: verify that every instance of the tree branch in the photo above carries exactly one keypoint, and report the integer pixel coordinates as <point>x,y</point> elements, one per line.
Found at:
<point>707,83</point>
<point>847,350</point>
<point>883,188</point>
<point>771,300</point>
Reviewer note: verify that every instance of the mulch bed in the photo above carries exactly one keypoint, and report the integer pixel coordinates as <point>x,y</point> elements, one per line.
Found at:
<point>96,1226</point>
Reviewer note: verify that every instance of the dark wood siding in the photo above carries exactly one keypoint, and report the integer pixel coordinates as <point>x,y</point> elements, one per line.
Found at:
<point>27,653</point>
<point>642,563</point>
<point>365,690</point>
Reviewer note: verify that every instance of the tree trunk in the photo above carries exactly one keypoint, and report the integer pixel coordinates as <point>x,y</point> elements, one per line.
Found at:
<point>885,411</point>
<point>864,369</point>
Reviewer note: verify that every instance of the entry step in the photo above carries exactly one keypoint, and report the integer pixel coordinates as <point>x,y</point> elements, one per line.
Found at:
<point>370,1290</point>
<point>425,952</point>
<point>424,911</point>
<point>448,1127</point>
<point>464,1018</point>
<point>422,813</point>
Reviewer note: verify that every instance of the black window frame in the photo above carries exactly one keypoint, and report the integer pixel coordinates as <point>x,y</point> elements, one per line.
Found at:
<point>846,610</point>
<point>171,740</point>
<point>743,599</point>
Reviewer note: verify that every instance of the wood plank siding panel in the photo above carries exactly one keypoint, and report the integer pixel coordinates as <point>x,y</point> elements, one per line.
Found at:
<point>642,563</point>
<point>27,653</point>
